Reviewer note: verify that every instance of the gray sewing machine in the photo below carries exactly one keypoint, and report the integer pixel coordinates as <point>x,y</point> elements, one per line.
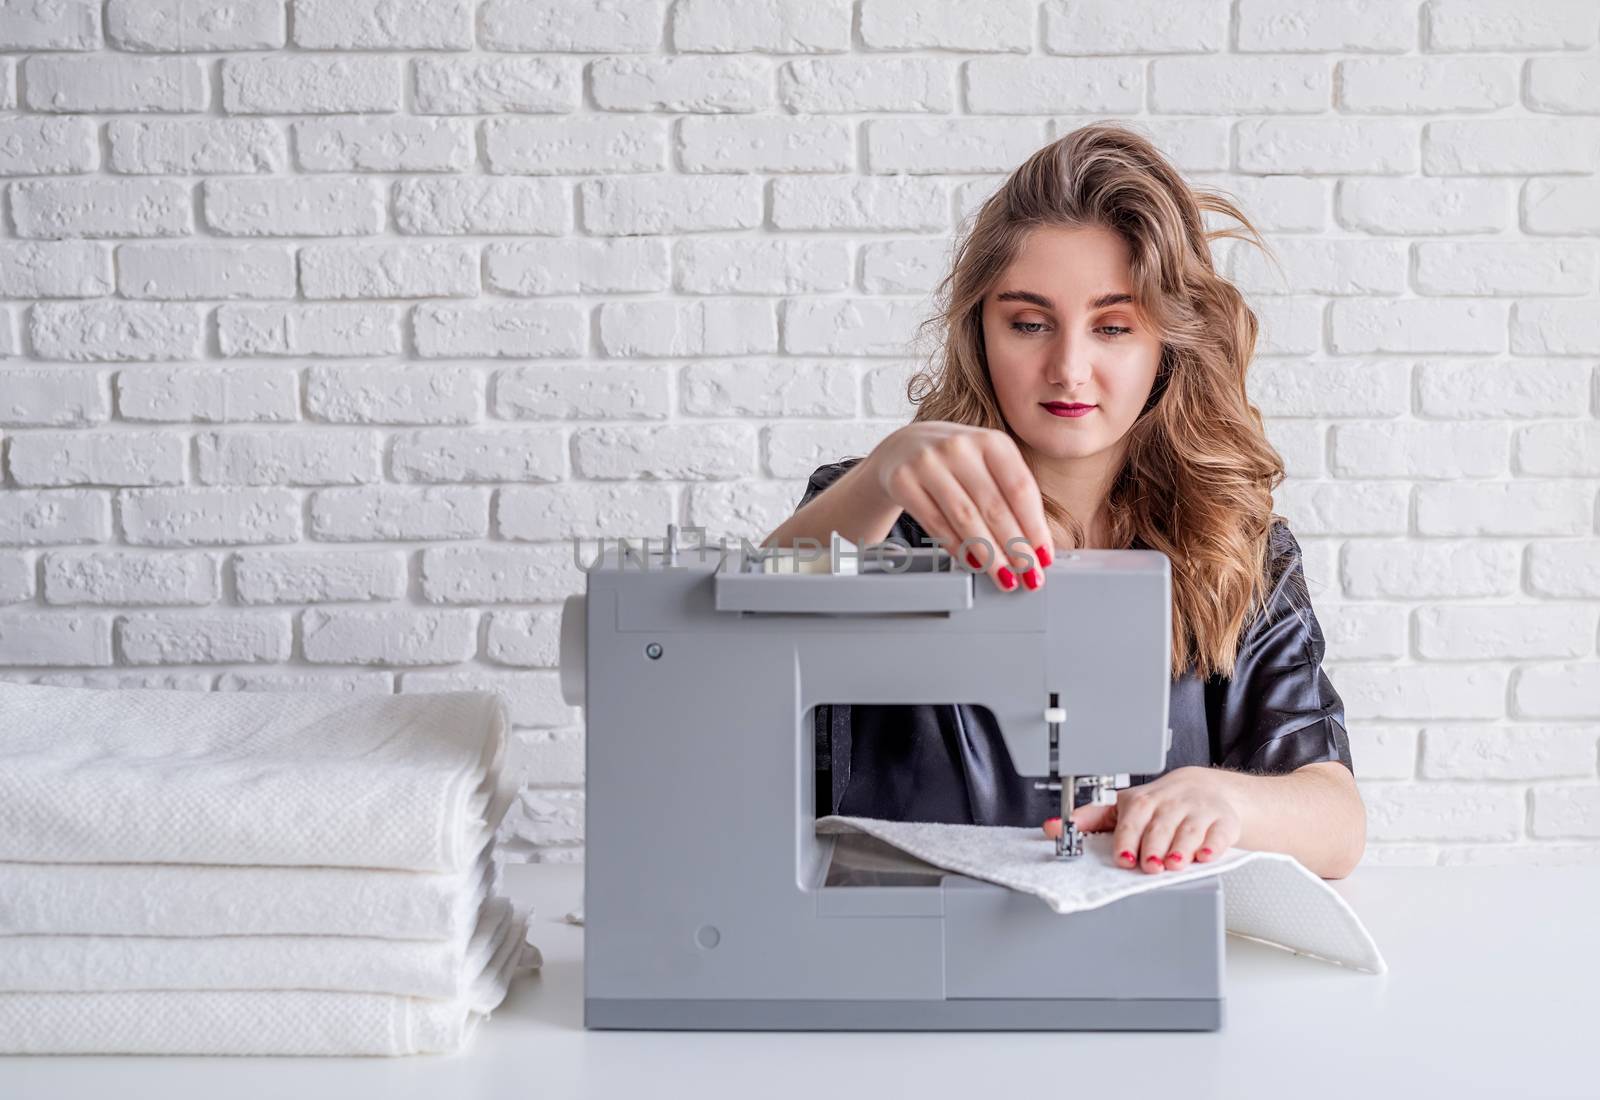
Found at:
<point>710,900</point>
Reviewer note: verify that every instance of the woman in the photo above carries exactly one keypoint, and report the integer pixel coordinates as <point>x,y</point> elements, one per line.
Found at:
<point>1090,393</point>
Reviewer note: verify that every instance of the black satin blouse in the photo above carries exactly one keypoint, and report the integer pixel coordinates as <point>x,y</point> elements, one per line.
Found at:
<point>949,763</point>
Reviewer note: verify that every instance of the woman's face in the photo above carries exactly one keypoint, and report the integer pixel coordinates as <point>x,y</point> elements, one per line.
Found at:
<point>1055,332</point>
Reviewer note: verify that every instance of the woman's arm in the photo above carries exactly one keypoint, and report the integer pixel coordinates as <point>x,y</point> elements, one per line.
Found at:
<point>1313,813</point>
<point>854,505</point>
<point>1194,814</point>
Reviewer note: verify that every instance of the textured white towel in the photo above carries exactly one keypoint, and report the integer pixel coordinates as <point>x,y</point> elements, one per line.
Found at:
<point>140,775</point>
<point>1268,896</point>
<point>199,899</point>
<point>261,1021</point>
<point>347,964</point>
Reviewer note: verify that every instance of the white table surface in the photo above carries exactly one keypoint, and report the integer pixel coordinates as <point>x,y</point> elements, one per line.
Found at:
<point>1491,992</point>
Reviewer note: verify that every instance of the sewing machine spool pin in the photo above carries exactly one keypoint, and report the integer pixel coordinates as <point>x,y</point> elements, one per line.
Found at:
<point>674,542</point>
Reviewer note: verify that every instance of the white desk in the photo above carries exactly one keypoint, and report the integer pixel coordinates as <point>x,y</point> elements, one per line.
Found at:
<point>1494,973</point>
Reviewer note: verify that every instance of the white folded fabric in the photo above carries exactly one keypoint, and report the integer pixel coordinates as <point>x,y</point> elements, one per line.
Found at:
<point>1268,896</point>
<point>249,1021</point>
<point>199,899</point>
<point>138,775</point>
<point>351,964</point>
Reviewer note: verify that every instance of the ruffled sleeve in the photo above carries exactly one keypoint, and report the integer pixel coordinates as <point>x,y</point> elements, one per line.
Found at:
<point>1279,711</point>
<point>824,476</point>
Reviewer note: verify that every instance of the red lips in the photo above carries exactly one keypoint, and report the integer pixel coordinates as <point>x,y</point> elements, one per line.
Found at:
<point>1062,408</point>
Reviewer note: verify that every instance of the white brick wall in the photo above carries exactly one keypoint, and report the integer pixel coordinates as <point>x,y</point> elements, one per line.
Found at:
<point>324,324</point>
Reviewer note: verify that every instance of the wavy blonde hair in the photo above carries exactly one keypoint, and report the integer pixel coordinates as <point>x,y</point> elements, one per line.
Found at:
<point>1199,473</point>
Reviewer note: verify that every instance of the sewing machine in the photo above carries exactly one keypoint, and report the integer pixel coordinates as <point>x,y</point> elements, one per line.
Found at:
<point>710,900</point>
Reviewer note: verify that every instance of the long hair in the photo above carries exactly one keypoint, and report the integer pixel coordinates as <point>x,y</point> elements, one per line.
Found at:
<point>1198,475</point>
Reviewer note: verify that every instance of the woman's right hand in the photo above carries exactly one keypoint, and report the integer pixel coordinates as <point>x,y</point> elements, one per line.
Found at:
<point>965,483</point>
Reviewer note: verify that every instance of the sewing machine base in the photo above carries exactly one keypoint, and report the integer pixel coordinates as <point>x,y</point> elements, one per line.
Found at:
<point>991,959</point>
<point>1015,1014</point>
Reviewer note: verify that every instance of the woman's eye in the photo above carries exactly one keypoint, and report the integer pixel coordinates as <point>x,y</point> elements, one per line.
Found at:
<point>1032,328</point>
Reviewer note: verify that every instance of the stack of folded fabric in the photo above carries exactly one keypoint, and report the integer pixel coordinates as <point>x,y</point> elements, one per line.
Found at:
<point>250,873</point>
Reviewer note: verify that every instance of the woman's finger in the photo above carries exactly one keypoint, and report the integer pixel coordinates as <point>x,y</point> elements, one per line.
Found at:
<point>968,523</point>
<point>1157,840</point>
<point>926,511</point>
<point>1133,813</point>
<point>1020,490</point>
<point>1089,819</point>
<point>1186,841</point>
<point>978,480</point>
<point>1218,839</point>
<point>1095,817</point>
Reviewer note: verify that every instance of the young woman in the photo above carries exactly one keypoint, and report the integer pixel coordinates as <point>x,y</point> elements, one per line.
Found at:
<point>1090,393</point>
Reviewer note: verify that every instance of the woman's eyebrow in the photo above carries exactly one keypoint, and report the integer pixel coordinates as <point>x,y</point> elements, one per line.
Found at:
<point>1045,303</point>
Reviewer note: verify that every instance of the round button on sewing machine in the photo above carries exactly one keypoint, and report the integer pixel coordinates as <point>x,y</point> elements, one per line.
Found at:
<point>708,937</point>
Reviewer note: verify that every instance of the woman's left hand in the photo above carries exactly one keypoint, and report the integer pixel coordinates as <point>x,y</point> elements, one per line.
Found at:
<point>1186,815</point>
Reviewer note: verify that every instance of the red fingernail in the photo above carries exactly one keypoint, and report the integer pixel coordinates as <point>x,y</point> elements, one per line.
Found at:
<point>1125,855</point>
<point>1176,855</point>
<point>1008,579</point>
<point>1152,859</point>
<point>1205,851</point>
<point>1048,820</point>
<point>972,560</point>
<point>1045,557</point>
<point>1032,579</point>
